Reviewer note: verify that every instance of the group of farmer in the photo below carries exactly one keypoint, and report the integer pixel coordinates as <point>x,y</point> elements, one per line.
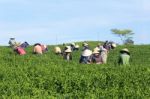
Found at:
<point>19,48</point>
<point>99,54</point>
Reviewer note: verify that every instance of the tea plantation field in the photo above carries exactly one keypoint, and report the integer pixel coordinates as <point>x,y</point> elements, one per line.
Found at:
<point>48,76</point>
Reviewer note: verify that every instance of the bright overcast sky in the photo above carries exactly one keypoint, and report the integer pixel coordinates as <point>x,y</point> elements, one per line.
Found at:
<point>58,21</point>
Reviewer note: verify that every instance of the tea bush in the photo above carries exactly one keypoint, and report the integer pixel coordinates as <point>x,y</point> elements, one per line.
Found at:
<point>49,76</point>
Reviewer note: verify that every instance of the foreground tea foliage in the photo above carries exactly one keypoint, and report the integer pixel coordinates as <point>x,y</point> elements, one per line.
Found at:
<point>49,76</point>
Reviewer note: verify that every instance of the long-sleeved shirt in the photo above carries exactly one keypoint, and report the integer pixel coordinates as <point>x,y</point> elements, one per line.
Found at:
<point>124,59</point>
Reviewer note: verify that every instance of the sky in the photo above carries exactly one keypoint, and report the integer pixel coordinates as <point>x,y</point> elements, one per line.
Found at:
<point>62,21</point>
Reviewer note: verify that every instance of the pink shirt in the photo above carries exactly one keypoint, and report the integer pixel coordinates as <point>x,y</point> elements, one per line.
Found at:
<point>38,49</point>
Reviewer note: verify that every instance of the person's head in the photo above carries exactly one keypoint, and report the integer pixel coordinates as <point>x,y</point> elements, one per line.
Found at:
<point>99,44</point>
<point>77,46</point>
<point>26,43</point>
<point>96,49</point>
<point>72,44</point>
<point>95,52</point>
<point>125,50</point>
<point>37,44</point>
<point>106,41</point>
<point>113,45</point>
<point>68,49</point>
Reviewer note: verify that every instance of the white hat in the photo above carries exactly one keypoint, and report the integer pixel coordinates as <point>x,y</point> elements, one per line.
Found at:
<point>97,49</point>
<point>95,52</point>
<point>114,45</point>
<point>87,52</point>
<point>73,44</point>
<point>85,44</point>
<point>125,50</point>
<point>68,47</point>
<point>68,50</point>
<point>57,49</point>
<point>77,46</point>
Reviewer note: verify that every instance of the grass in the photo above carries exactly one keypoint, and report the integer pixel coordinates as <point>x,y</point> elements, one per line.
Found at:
<point>49,76</point>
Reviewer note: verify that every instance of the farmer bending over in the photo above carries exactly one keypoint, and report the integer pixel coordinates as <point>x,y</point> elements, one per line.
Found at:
<point>67,53</point>
<point>96,57</point>
<point>124,57</point>
<point>57,50</point>
<point>104,55</point>
<point>86,55</point>
<point>37,49</point>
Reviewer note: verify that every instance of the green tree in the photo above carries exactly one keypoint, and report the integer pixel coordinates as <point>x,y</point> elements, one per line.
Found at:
<point>125,34</point>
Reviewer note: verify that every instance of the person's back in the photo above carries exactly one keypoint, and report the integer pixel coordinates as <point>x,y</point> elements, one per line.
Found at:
<point>20,51</point>
<point>96,57</point>
<point>67,53</point>
<point>12,42</point>
<point>57,50</point>
<point>37,49</point>
<point>124,57</point>
<point>85,57</point>
<point>24,45</point>
<point>104,54</point>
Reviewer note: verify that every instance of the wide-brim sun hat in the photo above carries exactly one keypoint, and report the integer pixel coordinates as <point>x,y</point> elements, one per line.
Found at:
<point>73,44</point>
<point>125,50</point>
<point>87,53</point>
<point>77,46</point>
<point>97,49</point>
<point>114,45</point>
<point>85,44</point>
<point>95,52</point>
<point>57,49</point>
<point>68,51</point>
<point>68,47</point>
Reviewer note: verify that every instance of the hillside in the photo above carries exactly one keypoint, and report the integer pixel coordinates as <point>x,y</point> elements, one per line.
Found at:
<point>49,76</point>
